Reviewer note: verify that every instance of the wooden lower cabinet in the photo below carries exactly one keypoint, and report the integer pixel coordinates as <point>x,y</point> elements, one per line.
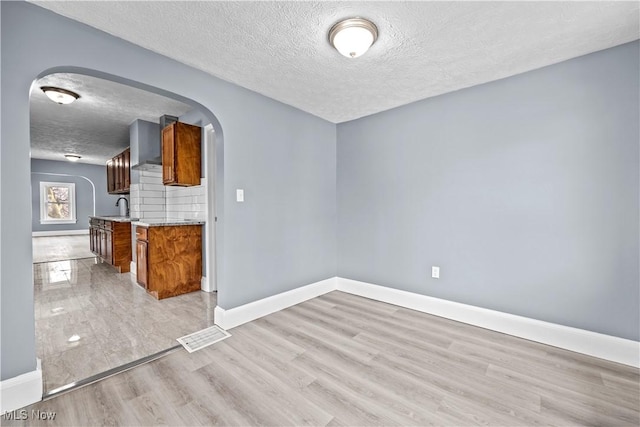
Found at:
<point>92,238</point>
<point>169,259</point>
<point>111,241</point>
<point>141,262</point>
<point>107,246</point>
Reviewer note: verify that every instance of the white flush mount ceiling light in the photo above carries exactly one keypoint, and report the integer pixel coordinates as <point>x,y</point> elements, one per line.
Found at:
<point>73,157</point>
<point>354,36</point>
<point>59,95</point>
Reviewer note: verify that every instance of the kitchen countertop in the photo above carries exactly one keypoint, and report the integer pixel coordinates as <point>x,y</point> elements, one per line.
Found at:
<point>115,218</point>
<point>159,222</point>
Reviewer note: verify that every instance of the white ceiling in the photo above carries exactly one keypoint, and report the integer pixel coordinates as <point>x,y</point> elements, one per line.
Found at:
<point>424,49</point>
<point>96,126</point>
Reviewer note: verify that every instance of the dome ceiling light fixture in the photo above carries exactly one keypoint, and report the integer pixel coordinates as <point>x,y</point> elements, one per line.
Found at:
<point>353,37</point>
<point>73,157</point>
<point>59,95</point>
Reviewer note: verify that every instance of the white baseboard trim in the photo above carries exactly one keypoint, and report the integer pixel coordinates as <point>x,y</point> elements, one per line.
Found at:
<point>132,268</point>
<point>59,233</point>
<point>594,344</point>
<point>20,391</point>
<point>233,317</point>
<point>606,347</point>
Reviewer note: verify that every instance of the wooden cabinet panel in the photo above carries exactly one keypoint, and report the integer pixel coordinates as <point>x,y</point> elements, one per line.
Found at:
<point>103,244</point>
<point>92,246</point>
<point>168,155</point>
<point>174,260</point>
<point>117,160</point>
<point>96,241</point>
<point>141,263</point>
<point>111,176</point>
<point>141,233</point>
<point>121,246</point>
<point>181,154</point>
<point>108,256</point>
<point>119,173</point>
<point>126,166</point>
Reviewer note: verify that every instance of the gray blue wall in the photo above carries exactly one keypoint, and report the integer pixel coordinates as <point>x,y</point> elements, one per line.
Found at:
<point>105,202</point>
<point>281,237</point>
<point>524,191</point>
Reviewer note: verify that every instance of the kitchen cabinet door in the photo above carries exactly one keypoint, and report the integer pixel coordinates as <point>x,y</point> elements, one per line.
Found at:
<point>102,250</point>
<point>119,173</point>
<point>181,154</point>
<point>126,170</point>
<point>174,260</point>
<point>141,263</point>
<point>111,176</point>
<point>108,256</point>
<point>96,241</point>
<point>91,241</point>
<point>168,156</point>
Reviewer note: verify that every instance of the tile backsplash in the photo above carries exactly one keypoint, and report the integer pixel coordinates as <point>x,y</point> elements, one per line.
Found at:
<point>151,199</point>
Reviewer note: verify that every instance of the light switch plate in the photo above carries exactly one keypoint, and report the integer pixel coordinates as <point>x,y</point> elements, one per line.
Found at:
<point>240,195</point>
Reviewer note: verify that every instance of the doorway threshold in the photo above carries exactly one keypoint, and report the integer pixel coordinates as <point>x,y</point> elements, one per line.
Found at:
<point>109,373</point>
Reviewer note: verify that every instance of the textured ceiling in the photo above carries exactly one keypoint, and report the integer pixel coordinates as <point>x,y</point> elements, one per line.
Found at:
<point>424,49</point>
<point>96,126</point>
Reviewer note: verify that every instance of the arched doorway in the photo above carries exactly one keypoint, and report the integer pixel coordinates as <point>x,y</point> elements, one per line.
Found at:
<point>212,144</point>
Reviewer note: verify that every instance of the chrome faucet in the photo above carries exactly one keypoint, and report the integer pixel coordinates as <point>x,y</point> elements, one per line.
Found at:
<point>126,203</point>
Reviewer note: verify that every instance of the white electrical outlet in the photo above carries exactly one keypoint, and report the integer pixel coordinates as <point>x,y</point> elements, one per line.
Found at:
<point>239,195</point>
<point>435,272</point>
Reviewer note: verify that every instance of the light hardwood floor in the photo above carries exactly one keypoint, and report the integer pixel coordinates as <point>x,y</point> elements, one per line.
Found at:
<point>344,360</point>
<point>89,318</point>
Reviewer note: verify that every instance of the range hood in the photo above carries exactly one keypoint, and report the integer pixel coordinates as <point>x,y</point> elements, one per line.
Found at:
<point>154,164</point>
<point>146,143</point>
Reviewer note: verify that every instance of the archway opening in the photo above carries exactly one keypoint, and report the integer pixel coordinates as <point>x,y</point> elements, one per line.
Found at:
<point>88,309</point>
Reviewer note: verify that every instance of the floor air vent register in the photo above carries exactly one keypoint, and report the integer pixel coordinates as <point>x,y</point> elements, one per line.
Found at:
<point>201,339</point>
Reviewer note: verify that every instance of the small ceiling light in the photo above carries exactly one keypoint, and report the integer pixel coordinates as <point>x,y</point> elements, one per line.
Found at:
<point>73,157</point>
<point>353,37</point>
<point>59,95</point>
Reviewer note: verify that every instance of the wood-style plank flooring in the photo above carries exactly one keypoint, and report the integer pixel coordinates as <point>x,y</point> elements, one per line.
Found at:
<point>90,318</point>
<point>59,248</point>
<point>342,360</point>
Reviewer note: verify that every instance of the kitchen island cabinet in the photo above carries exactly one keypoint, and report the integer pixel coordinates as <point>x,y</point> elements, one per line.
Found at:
<point>169,258</point>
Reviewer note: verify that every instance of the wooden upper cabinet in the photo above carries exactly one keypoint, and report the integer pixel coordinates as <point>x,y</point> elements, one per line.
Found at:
<point>168,155</point>
<point>181,154</point>
<point>119,173</point>
<point>126,166</point>
<point>111,176</point>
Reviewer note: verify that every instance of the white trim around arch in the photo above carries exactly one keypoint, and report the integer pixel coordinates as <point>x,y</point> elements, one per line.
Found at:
<point>209,277</point>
